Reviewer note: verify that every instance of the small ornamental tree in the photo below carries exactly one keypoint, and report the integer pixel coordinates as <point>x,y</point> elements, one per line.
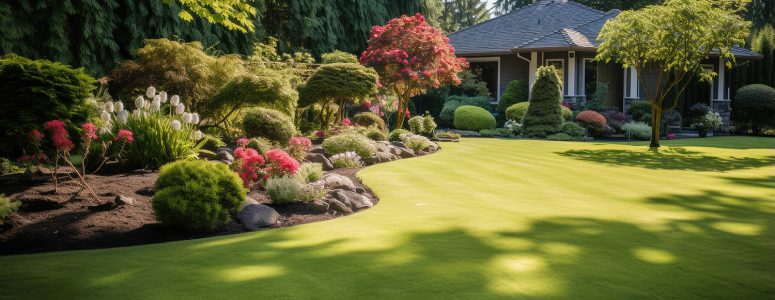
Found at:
<point>544,114</point>
<point>409,55</point>
<point>671,38</point>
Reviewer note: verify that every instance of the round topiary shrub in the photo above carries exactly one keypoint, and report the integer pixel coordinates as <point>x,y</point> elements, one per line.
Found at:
<point>261,145</point>
<point>516,92</point>
<point>395,135</point>
<point>755,104</point>
<point>376,134</point>
<point>591,119</point>
<point>428,126</point>
<point>367,119</point>
<point>517,111</point>
<point>415,124</point>
<point>342,143</point>
<point>197,195</point>
<point>567,114</point>
<point>544,115</point>
<point>473,118</point>
<point>268,123</point>
<point>573,130</point>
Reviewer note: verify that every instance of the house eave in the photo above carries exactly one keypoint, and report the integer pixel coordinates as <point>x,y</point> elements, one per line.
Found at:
<point>488,53</point>
<point>552,49</point>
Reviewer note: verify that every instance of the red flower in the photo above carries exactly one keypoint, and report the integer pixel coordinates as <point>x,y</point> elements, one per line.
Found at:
<point>243,142</point>
<point>125,135</point>
<point>36,135</point>
<point>346,122</point>
<point>61,140</point>
<point>89,131</point>
<point>366,105</point>
<point>281,163</point>
<point>320,134</point>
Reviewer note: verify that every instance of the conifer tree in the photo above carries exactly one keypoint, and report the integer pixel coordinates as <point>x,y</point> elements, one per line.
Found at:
<point>544,115</point>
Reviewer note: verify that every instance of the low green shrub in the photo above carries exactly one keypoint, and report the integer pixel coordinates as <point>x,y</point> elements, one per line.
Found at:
<point>368,119</point>
<point>473,118</point>
<point>309,172</point>
<point>567,114</point>
<point>395,135</point>
<point>489,133</point>
<point>349,142</point>
<point>755,104</point>
<point>197,195</point>
<point>447,134</point>
<point>573,129</point>
<point>415,124</point>
<point>338,57</point>
<point>346,160</point>
<point>261,145</point>
<point>7,207</point>
<point>513,126</point>
<point>516,92</point>
<point>559,137</point>
<point>283,190</point>
<point>452,103</point>
<point>6,167</point>
<point>212,142</point>
<point>638,130</point>
<point>504,132</point>
<point>268,123</point>
<point>416,142</point>
<point>639,108</point>
<point>428,126</point>
<point>517,111</point>
<point>646,118</point>
<point>376,134</point>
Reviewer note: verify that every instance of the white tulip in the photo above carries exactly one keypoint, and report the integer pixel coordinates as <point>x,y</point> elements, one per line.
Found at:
<point>150,92</point>
<point>139,102</point>
<point>180,108</point>
<point>156,104</point>
<point>175,100</point>
<point>119,106</point>
<point>122,116</point>
<point>104,130</point>
<point>108,106</point>
<point>196,135</point>
<point>163,96</point>
<point>147,105</point>
<point>105,116</point>
<point>186,117</point>
<point>176,125</point>
<point>195,118</point>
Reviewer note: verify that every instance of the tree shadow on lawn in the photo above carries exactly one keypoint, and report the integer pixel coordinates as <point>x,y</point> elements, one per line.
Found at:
<point>710,245</point>
<point>669,159</point>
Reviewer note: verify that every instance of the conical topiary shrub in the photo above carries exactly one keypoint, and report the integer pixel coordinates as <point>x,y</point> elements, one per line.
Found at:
<point>544,115</point>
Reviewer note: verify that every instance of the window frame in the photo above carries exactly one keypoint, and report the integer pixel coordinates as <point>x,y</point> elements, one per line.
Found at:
<point>491,59</point>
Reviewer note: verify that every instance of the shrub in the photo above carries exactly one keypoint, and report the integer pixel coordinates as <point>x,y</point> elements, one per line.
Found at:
<point>452,103</point>
<point>395,136</point>
<point>33,92</point>
<point>755,104</point>
<point>607,130</point>
<point>309,172</point>
<point>639,108</point>
<point>349,142</point>
<point>6,167</point>
<point>560,137</point>
<point>573,130</point>
<point>338,57</point>
<point>638,130</point>
<point>314,190</point>
<point>270,124</point>
<point>268,89</point>
<point>591,119</point>
<point>504,132</point>
<point>415,124</point>
<point>567,114</point>
<point>544,114</point>
<point>197,195</point>
<point>517,111</point>
<point>416,142</point>
<point>697,110</point>
<point>488,133</point>
<point>283,190</point>
<point>516,92</point>
<point>617,116</point>
<point>428,125</point>
<point>447,134</point>
<point>368,119</point>
<point>212,142</point>
<point>346,160</point>
<point>298,147</point>
<point>376,134</point>
<point>7,207</point>
<point>513,126</point>
<point>261,145</point>
<point>473,118</point>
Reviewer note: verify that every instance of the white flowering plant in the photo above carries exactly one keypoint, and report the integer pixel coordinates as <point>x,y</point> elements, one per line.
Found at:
<point>160,138</point>
<point>314,190</point>
<point>415,142</point>
<point>709,121</point>
<point>348,159</point>
<point>513,126</point>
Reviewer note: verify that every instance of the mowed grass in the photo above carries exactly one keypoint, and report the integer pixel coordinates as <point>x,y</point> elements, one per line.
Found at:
<point>483,218</point>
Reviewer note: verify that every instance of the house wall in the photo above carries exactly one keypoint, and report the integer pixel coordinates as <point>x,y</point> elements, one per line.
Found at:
<point>513,68</point>
<point>558,55</point>
<point>611,73</point>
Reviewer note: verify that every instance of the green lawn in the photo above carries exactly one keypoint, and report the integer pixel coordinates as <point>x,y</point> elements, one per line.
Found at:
<point>483,218</point>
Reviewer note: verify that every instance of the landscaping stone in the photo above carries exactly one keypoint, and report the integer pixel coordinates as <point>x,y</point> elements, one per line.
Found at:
<point>103,207</point>
<point>321,159</point>
<point>318,149</point>
<point>318,205</point>
<point>255,216</point>
<point>381,147</point>
<point>355,201</point>
<point>432,147</point>
<point>399,144</point>
<point>227,149</point>
<point>406,153</point>
<point>339,206</point>
<point>124,200</point>
<point>380,157</point>
<point>249,201</point>
<point>360,190</point>
<point>225,156</point>
<point>336,181</point>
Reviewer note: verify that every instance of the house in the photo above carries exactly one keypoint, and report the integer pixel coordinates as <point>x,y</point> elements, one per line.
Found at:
<point>564,34</point>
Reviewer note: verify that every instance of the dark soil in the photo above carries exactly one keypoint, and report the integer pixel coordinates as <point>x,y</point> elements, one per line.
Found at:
<point>48,222</point>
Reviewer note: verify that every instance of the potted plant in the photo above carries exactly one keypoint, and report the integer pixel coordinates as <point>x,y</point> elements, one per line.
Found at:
<point>707,122</point>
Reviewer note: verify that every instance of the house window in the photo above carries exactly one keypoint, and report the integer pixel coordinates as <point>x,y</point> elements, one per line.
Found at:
<point>558,66</point>
<point>590,77</point>
<point>486,69</point>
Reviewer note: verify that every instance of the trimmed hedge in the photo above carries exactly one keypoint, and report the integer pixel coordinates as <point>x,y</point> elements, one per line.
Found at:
<point>367,119</point>
<point>473,118</point>
<point>268,123</point>
<point>755,104</point>
<point>517,111</point>
<point>516,92</point>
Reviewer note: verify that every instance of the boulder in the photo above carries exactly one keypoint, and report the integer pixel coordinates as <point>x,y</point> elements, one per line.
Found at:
<point>360,190</point>
<point>224,156</point>
<point>406,153</point>
<point>336,181</point>
<point>249,201</point>
<point>399,144</point>
<point>318,149</point>
<point>339,206</point>
<point>318,205</point>
<point>255,216</point>
<point>432,147</point>
<point>321,159</point>
<point>227,149</point>
<point>380,157</point>
<point>124,200</point>
<point>381,147</point>
<point>355,201</point>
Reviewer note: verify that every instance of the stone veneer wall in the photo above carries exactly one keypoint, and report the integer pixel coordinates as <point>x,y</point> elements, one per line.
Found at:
<point>722,108</point>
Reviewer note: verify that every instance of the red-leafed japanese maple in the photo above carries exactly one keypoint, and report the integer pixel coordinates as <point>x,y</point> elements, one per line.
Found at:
<point>409,55</point>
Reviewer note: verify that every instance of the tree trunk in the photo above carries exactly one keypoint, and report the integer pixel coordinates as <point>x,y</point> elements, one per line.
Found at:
<point>402,106</point>
<point>656,115</point>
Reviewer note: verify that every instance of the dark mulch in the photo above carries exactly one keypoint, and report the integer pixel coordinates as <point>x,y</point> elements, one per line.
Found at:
<point>49,222</point>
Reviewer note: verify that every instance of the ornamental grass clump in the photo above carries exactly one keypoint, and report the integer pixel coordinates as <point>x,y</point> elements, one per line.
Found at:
<point>7,208</point>
<point>309,172</point>
<point>544,114</point>
<point>349,142</point>
<point>376,134</point>
<point>348,159</point>
<point>197,195</point>
<point>284,190</point>
<point>638,130</point>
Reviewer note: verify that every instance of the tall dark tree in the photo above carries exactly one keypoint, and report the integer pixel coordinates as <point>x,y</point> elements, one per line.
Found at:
<point>502,7</point>
<point>460,14</point>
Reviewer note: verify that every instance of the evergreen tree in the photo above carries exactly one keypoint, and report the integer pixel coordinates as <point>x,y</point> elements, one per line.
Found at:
<point>544,115</point>
<point>516,92</point>
<point>764,43</point>
<point>460,14</point>
<point>502,7</point>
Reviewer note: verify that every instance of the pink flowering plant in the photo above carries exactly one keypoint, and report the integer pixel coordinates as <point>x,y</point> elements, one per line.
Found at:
<point>253,168</point>
<point>298,147</point>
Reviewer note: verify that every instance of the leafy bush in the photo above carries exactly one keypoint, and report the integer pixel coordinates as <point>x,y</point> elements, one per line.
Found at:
<point>7,207</point>
<point>314,190</point>
<point>447,134</point>
<point>597,101</point>
<point>261,145</point>
<point>197,195</point>
<point>755,104</point>
<point>368,119</point>
<point>544,114</point>
<point>447,115</point>
<point>415,124</point>
<point>6,167</point>
<point>517,111</point>
<point>638,130</point>
<point>560,137</point>
<point>376,134</point>
<point>270,89</point>
<point>428,125</point>
<point>573,130</point>
<point>212,142</point>
<point>567,114</point>
<point>504,132</point>
<point>697,110</point>
<point>513,126</point>
<point>591,119</point>
<point>283,190</point>
<point>395,136</point>
<point>615,119</point>
<point>346,160</point>
<point>416,142</point>
<point>33,92</point>
<point>473,118</point>
<point>516,92</point>
<point>270,124</point>
<point>488,133</point>
<point>639,108</point>
<point>309,172</point>
<point>607,130</point>
<point>349,142</point>
<point>338,57</point>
